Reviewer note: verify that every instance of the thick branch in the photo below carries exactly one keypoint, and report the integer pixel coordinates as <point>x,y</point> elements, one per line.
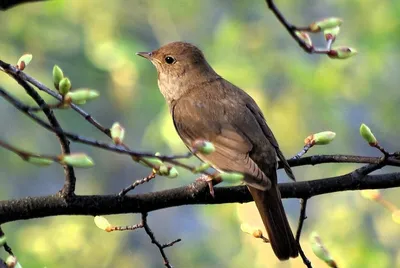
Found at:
<point>196,193</point>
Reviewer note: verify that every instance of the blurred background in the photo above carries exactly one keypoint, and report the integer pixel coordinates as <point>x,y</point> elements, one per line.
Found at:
<point>94,42</point>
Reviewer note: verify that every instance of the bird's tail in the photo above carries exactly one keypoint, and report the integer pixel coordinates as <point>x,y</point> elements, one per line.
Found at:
<point>270,206</point>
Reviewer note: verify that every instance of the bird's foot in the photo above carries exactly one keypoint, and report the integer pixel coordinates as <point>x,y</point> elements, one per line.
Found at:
<point>210,182</point>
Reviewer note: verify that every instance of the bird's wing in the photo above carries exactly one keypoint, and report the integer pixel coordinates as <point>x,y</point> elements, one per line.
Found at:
<point>252,106</point>
<point>193,119</point>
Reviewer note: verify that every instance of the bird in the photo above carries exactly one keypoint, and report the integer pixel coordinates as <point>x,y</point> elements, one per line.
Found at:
<point>204,105</point>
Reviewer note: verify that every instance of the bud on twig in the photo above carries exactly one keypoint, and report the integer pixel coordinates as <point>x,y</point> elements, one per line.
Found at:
<point>367,134</point>
<point>203,167</point>
<point>159,167</point>
<point>117,133</point>
<point>325,24</point>
<point>103,223</point>
<point>58,75</point>
<point>233,177</point>
<point>203,146</point>
<point>64,86</point>
<point>342,53</point>
<point>151,160</point>
<point>331,33</point>
<point>305,37</point>
<point>320,251</point>
<point>255,232</point>
<point>258,233</point>
<point>81,96</point>
<point>172,172</point>
<point>24,61</point>
<point>39,161</point>
<point>79,160</point>
<point>320,138</point>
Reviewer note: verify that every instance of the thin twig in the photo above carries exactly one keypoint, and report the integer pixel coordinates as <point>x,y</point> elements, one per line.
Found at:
<point>306,261</point>
<point>289,27</point>
<point>302,152</point>
<point>148,178</point>
<point>70,179</point>
<point>26,155</point>
<point>363,171</point>
<point>154,240</point>
<point>302,218</point>
<point>59,105</point>
<point>127,228</point>
<point>292,29</point>
<point>170,244</point>
<point>311,160</point>
<point>383,150</point>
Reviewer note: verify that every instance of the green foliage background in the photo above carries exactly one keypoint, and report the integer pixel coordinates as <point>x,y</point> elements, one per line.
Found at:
<point>95,41</point>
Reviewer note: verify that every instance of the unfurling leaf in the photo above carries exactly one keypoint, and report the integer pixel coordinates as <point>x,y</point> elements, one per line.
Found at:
<point>341,53</point>
<point>79,160</point>
<point>320,251</point>
<point>23,61</point>
<point>103,223</point>
<point>64,86</point>
<point>203,146</point>
<point>373,195</point>
<point>305,37</point>
<point>325,24</point>
<point>320,138</point>
<point>331,33</point>
<point>58,75</point>
<point>81,96</point>
<point>117,133</point>
<point>231,176</point>
<point>367,134</point>
<point>39,161</point>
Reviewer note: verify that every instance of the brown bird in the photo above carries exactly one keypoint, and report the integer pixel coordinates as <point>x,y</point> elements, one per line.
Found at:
<point>206,106</point>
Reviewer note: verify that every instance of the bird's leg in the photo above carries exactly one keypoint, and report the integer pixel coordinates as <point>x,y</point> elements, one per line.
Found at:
<point>211,181</point>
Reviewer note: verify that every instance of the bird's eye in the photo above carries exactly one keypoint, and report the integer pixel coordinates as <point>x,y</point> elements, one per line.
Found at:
<point>169,59</point>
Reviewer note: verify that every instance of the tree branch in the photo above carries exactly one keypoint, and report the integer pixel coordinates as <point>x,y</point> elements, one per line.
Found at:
<point>195,193</point>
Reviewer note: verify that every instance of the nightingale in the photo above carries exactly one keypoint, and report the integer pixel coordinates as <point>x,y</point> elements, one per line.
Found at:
<point>205,106</point>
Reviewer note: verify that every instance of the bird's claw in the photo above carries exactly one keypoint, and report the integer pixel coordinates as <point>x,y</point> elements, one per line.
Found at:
<point>209,181</point>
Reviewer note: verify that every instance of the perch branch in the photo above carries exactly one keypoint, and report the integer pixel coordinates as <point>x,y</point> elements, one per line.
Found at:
<point>195,193</point>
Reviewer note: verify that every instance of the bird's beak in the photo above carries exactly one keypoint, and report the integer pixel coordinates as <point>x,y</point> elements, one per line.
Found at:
<point>146,55</point>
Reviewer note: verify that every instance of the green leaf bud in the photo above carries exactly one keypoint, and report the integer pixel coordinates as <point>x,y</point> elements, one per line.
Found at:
<point>79,160</point>
<point>367,134</point>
